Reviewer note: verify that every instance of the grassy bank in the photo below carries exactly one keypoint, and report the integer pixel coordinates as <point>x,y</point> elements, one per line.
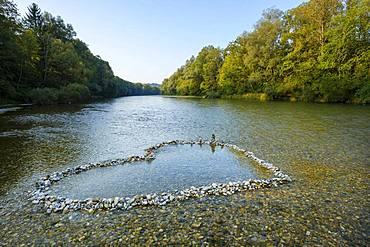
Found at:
<point>248,96</point>
<point>263,97</point>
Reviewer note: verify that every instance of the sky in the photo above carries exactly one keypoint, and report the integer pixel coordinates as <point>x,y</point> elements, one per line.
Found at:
<point>147,40</point>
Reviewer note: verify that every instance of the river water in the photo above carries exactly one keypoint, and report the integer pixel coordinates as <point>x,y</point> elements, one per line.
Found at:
<point>323,147</point>
<point>175,168</point>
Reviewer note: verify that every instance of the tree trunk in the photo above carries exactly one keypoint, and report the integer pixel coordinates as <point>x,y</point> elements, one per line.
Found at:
<point>322,37</point>
<point>20,75</point>
<point>46,52</point>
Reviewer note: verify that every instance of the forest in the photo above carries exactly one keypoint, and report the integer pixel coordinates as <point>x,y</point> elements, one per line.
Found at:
<point>316,52</point>
<point>42,62</point>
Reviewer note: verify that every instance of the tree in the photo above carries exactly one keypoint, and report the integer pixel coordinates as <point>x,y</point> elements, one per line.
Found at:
<point>346,55</point>
<point>34,19</point>
<point>42,62</point>
<point>213,59</point>
<point>318,51</point>
<point>9,50</point>
<point>198,76</point>
<point>64,65</point>
<point>29,59</point>
<point>233,72</point>
<point>304,36</point>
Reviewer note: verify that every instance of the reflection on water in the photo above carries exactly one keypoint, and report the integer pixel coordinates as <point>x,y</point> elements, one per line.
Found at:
<point>323,147</point>
<point>8,109</point>
<point>38,140</point>
<point>175,168</point>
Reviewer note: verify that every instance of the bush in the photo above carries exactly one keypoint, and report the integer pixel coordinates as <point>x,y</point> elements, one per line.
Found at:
<point>213,94</point>
<point>44,96</point>
<point>363,94</point>
<point>74,93</point>
<point>308,94</point>
<point>7,90</point>
<point>337,90</point>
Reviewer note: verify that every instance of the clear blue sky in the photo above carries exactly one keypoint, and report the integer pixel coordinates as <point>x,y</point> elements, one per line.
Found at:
<point>146,40</point>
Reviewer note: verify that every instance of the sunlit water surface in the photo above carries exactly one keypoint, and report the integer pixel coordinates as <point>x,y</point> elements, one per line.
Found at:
<point>323,147</point>
<point>175,168</point>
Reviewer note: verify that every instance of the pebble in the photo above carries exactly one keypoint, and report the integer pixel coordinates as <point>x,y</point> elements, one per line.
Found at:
<point>60,204</point>
<point>196,224</point>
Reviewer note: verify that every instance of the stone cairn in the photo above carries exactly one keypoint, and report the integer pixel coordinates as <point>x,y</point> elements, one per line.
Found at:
<point>55,204</point>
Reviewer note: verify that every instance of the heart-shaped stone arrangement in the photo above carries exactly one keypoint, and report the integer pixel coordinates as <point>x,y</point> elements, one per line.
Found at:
<point>61,204</point>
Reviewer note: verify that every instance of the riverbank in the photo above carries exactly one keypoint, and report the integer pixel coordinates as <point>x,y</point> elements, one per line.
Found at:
<point>263,97</point>
<point>51,100</point>
<point>249,96</point>
<point>12,107</point>
<point>183,96</point>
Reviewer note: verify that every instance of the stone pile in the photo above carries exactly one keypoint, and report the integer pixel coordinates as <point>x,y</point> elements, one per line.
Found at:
<point>61,204</point>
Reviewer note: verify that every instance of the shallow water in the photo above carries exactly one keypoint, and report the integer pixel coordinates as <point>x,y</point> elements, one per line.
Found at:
<point>323,147</point>
<point>8,109</point>
<point>175,168</point>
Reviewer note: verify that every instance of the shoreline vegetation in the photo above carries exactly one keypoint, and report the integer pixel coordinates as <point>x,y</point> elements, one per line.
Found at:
<point>42,62</point>
<point>316,52</point>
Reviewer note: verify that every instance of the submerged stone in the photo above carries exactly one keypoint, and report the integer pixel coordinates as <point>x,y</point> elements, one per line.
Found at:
<point>175,168</point>
<point>194,167</point>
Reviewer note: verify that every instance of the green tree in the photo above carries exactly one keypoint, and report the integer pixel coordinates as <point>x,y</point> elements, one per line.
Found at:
<point>64,65</point>
<point>304,36</point>
<point>34,19</point>
<point>29,60</point>
<point>213,59</point>
<point>345,60</point>
<point>9,27</point>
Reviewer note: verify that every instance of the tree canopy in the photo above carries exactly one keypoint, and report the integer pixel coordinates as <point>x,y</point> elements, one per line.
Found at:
<point>318,51</point>
<point>42,61</point>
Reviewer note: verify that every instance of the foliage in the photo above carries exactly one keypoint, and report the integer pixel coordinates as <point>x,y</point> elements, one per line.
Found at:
<point>198,76</point>
<point>44,96</point>
<point>74,92</point>
<point>42,62</point>
<point>318,51</point>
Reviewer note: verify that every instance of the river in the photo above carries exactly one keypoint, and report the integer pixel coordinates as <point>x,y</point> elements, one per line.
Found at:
<point>323,147</point>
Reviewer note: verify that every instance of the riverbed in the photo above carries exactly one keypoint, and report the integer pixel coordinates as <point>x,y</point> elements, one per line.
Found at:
<point>323,147</point>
